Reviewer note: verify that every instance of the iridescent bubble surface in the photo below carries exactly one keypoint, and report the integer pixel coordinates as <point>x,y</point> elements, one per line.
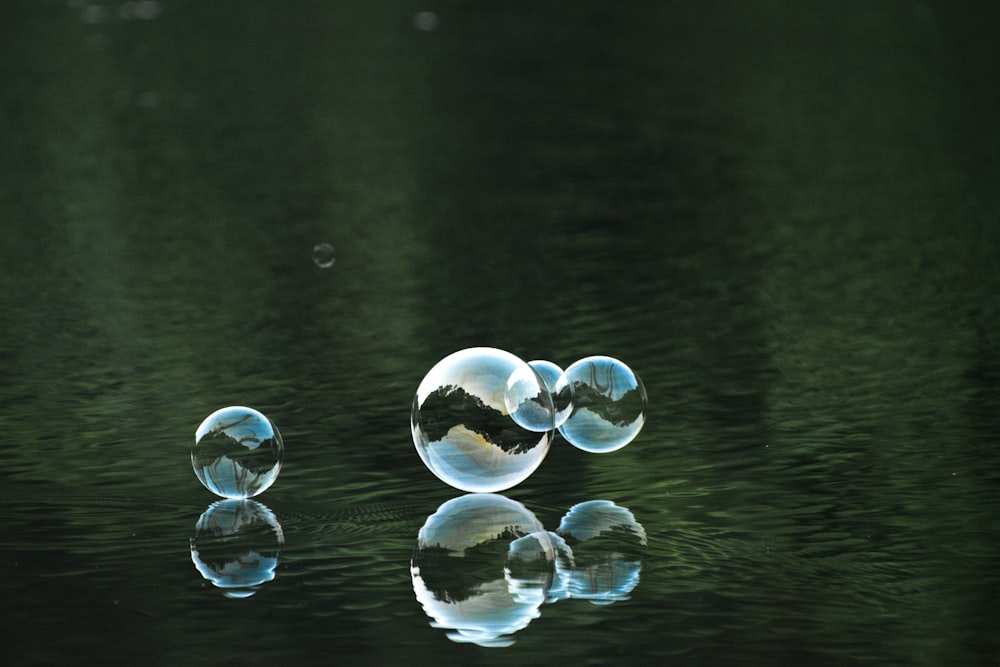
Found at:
<point>473,574</point>
<point>558,385</point>
<point>609,405</point>
<point>237,452</point>
<point>607,546</point>
<point>463,429</point>
<point>235,546</point>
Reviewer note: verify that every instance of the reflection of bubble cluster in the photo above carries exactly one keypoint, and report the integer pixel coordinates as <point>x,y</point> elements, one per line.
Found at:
<point>235,546</point>
<point>458,568</point>
<point>484,565</point>
<point>237,452</point>
<point>483,419</point>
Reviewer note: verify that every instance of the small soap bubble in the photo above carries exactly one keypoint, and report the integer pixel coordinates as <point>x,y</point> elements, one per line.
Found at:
<point>528,400</point>
<point>324,255</point>
<point>237,452</point>
<point>558,386</point>
<point>426,21</point>
<point>463,429</point>
<point>609,405</point>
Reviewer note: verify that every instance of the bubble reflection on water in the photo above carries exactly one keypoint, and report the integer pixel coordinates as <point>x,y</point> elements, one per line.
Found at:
<point>235,546</point>
<point>483,564</point>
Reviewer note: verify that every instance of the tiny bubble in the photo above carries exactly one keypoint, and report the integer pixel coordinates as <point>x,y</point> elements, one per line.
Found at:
<point>324,255</point>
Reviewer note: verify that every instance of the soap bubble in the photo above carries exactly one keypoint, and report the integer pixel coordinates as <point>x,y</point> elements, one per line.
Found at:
<point>463,429</point>
<point>607,546</point>
<point>465,576</point>
<point>528,400</point>
<point>558,386</point>
<point>235,546</point>
<point>324,256</point>
<point>237,452</point>
<point>609,405</point>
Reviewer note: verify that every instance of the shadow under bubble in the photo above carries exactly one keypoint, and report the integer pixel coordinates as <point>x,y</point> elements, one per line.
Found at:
<point>235,546</point>
<point>484,565</point>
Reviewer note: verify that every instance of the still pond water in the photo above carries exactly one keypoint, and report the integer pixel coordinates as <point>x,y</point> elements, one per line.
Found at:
<point>784,218</point>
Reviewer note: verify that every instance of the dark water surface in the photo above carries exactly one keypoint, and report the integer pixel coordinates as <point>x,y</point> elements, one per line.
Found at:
<point>783,216</point>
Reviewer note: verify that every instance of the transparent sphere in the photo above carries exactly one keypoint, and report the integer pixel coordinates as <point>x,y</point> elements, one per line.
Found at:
<point>464,428</point>
<point>324,256</point>
<point>235,546</point>
<point>474,575</point>
<point>609,405</point>
<point>607,546</point>
<point>237,452</point>
<point>558,386</point>
<point>528,400</point>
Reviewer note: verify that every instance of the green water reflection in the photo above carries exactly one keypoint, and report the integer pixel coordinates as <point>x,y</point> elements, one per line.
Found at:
<point>783,218</point>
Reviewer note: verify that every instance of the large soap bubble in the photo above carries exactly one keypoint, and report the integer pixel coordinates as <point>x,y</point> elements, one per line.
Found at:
<point>237,452</point>
<point>609,405</point>
<point>480,568</point>
<point>482,420</point>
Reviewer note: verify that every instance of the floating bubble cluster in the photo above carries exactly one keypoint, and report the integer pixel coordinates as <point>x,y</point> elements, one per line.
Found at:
<point>483,419</point>
<point>237,452</point>
<point>484,565</point>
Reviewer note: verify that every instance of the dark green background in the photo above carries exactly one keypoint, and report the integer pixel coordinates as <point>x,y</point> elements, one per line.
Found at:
<point>783,215</point>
